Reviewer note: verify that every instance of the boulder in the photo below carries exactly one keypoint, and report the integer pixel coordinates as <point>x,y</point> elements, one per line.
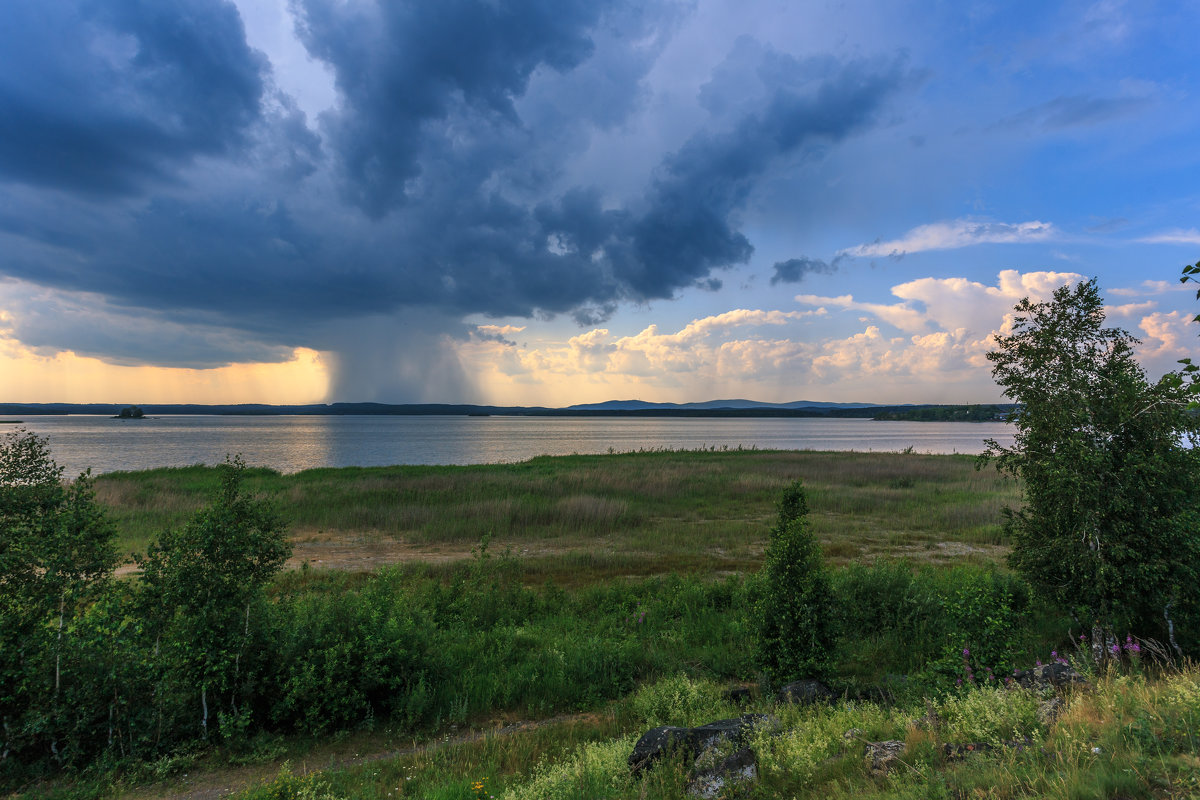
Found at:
<point>884,754</point>
<point>806,692</point>
<point>1048,676</point>
<point>736,729</point>
<point>739,768</point>
<point>657,742</point>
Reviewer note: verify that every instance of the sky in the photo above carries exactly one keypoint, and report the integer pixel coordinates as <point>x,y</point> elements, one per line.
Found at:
<point>548,202</point>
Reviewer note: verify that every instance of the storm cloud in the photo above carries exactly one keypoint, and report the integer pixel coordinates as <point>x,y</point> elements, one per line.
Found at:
<point>794,269</point>
<point>147,157</point>
<point>102,97</point>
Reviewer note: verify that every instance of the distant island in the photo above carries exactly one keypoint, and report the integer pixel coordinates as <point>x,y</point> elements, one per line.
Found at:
<point>928,412</point>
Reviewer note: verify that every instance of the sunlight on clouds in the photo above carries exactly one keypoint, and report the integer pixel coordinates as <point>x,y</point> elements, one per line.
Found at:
<point>1166,338</point>
<point>953,303</point>
<point>704,358</point>
<point>68,378</point>
<point>956,234</point>
<point>500,330</point>
<point>899,315</point>
<point>948,326</point>
<point>1129,309</point>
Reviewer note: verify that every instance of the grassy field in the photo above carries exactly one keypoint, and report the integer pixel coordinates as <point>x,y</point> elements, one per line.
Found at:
<point>528,669</point>
<point>607,515</point>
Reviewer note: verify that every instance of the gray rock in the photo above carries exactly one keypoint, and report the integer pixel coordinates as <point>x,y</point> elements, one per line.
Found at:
<point>657,742</point>
<point>884,754</point>
<point>736,769</point>
<point>1048,710</point>
<point>806,692</point>
<point>736,729</point>
<point>1048,676</point>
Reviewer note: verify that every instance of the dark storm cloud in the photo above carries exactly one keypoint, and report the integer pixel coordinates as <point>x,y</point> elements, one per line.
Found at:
<point>101,96</point>
<point>400,66</point>
<point>687,227</point>
<point>794,269</point>
<point>437,187</point>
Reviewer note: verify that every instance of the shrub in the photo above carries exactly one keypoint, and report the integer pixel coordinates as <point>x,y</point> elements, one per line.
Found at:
<point>678,701</point>
<point>988,714</point>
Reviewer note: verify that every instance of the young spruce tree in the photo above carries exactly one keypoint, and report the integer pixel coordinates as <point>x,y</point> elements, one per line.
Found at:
<point>794,612</point>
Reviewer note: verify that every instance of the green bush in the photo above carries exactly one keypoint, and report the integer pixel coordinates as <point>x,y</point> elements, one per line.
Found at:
<point>56,558</point>
<point>289,786</point>
<point>680,701</point>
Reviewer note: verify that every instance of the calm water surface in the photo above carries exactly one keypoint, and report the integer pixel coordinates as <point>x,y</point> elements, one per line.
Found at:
<point>291,444</point>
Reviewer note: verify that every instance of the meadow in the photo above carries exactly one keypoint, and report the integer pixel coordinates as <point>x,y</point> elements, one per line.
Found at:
<point>591,518</point>
<point>509,631</point>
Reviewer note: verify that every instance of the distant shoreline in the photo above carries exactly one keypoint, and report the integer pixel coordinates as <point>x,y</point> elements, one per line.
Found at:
<point>908,412</point>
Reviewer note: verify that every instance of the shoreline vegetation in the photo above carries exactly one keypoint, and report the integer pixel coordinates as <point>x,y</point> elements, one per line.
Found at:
<point>715,409</point>
<point>547,613</point>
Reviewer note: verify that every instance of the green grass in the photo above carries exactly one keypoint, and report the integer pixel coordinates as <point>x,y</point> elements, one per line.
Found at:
<point>580,546</point>
<point>1128,736</point>
<point>627,514</point>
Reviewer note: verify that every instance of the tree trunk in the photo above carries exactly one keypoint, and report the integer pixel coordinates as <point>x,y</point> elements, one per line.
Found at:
<point>62,604</point>
<point>1171,629</point>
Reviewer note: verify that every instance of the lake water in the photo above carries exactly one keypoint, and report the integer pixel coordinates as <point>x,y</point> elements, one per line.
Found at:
<point>291,444</point>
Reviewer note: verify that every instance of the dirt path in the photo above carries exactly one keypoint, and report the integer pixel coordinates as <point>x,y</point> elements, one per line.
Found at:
<point>226,781</point>
<point>354,553</point>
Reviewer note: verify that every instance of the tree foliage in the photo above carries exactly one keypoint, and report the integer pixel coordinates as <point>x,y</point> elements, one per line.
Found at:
<point>795,612</point>
<point>1109,528</point>
<point>56,553</point>
<point>201,584</point>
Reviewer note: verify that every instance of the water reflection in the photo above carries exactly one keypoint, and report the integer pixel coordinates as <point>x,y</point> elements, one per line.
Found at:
<point>290,444</point>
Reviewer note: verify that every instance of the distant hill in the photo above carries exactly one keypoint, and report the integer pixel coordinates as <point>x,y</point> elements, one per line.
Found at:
<point>642,405</point>
<point>612,408</point>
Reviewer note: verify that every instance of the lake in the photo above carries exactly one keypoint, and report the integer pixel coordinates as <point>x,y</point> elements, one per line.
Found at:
<point>294,443</point>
